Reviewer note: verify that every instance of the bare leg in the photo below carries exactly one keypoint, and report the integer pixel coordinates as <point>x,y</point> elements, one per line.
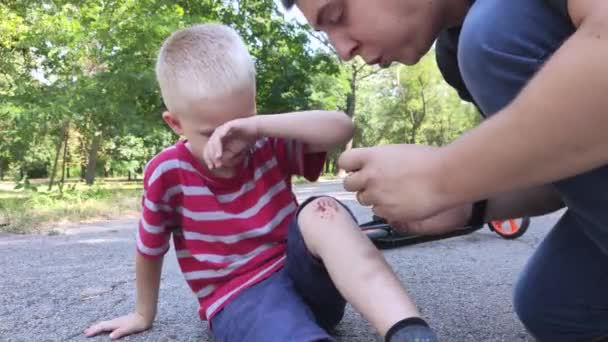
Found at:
<point>357,268</point>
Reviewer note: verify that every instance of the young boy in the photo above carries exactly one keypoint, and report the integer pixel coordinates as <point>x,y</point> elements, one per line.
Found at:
<point>262,267</point>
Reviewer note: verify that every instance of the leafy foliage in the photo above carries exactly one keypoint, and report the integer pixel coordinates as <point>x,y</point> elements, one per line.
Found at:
<point>78,96</point>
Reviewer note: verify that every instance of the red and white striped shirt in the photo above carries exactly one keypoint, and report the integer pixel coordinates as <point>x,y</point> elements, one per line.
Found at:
<point>228,233</point>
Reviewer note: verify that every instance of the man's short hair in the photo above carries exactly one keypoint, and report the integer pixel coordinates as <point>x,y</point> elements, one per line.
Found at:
<point>289,3</point>
<point>204,61</point>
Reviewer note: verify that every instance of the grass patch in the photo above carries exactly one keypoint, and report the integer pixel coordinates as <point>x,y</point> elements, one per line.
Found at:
<point>39,211</point>
<point>26,211</point>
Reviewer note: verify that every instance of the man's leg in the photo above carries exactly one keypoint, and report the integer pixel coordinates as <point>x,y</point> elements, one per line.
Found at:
<point>563,293</point>
<point>326,247</point>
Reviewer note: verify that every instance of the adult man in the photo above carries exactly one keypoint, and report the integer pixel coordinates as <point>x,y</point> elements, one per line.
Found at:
<point>541,66</point>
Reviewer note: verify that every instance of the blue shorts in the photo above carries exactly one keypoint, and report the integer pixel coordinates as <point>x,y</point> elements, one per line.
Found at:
<point>298,303</point>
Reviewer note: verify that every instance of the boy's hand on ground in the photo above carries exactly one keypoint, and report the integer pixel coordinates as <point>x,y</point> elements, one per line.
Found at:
<point>230,141</point>
<point>119,327</point>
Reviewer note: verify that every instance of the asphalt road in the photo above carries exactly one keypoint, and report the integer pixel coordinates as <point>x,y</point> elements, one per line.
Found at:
<point>52,287</point>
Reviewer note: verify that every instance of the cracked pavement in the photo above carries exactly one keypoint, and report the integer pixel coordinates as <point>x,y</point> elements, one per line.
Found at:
<point>53,287</point>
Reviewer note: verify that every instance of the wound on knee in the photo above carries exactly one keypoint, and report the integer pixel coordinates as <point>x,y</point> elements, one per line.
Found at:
<point>327,208</point>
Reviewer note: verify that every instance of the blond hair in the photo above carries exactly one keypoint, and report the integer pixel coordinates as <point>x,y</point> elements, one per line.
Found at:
<point>204,61</point>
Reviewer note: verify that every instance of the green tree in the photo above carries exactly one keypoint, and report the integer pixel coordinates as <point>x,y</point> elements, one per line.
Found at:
<point>82,73</point>
<point>412,105</point>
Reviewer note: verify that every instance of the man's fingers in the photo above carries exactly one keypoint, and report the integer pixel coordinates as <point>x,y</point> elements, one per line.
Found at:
<point>353,160</point>
<point>414,227</point>
<point>380,212</point>
<point>364,198</point>
<point>355,182</point>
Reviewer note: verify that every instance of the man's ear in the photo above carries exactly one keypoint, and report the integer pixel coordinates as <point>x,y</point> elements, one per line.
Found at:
<point>173,121</point>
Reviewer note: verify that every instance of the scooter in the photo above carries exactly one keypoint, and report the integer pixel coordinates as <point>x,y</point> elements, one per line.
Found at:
<point>385,237</point>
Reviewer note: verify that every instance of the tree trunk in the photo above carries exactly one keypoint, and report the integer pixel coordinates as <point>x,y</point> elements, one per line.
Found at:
<point>1,169</point>
<point>69,161</point>
<point>351,106</point>
<point>83,154</point>
<point>413,134</point>
<point>351,101</point>
<point>65,156</point>
<point>326,166</point>
<point>57,152</point>
<point>336,169</point>
<point>417,117</point>
<point>92,159</point>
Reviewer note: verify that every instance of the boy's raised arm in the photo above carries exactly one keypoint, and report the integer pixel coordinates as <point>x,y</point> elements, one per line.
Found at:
<point>319,130</point>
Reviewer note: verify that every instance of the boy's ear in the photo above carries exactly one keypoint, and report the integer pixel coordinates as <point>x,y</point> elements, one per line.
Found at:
<point>173,121</point>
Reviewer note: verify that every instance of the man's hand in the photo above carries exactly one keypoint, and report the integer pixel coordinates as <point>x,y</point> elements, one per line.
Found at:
<point>229,141</point>
<point>122,326</point>
<point>445,222</point>
<point>401,182</point>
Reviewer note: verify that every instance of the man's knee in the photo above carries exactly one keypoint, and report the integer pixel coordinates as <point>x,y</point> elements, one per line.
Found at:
<point>547,318</point>
<point>540,314</point>
<point>527,308</point>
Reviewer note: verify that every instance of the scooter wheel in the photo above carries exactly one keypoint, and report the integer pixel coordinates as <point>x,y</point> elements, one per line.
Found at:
<point>510,229</point>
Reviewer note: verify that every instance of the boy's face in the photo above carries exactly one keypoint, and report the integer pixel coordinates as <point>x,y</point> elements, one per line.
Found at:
<point>205,116</point>
<point>380,31</point>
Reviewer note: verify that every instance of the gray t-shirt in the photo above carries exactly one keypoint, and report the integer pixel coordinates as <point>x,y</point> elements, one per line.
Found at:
<point>560,5</point>
<point>586,195</point>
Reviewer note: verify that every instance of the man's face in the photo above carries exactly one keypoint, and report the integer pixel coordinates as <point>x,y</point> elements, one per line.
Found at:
<point>380,31</point>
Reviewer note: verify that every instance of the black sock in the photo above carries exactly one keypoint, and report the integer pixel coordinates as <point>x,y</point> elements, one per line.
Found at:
<point>413,329</point>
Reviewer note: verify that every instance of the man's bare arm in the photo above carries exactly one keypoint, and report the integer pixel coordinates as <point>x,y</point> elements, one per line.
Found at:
<point>529,202</point>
